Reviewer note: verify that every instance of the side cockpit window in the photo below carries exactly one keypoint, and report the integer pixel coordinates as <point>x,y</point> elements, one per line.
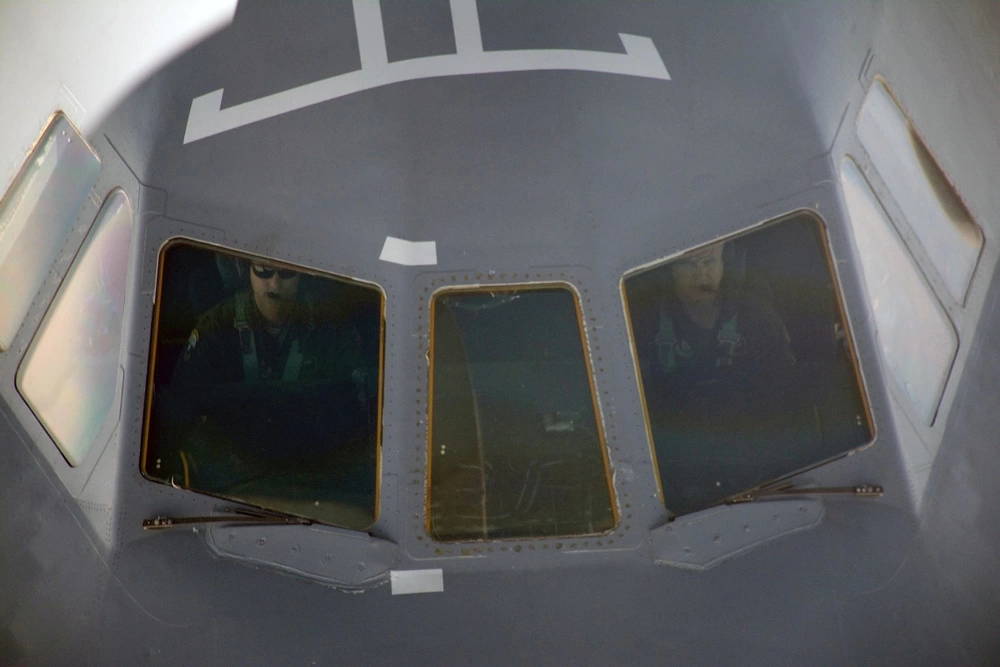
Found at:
<point>919,247</point>
<point>942,225</point>
<point>746,366</point>
<point>917,340</point>
<point>70,376</point>
<point>265,385</point>
<point>37,215</point>
<point>516,443</point>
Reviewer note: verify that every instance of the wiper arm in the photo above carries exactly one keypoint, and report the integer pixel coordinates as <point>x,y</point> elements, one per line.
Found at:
<point>236,515</point>
<point>859,491</point>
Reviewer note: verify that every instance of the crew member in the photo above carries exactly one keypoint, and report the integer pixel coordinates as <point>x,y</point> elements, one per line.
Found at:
<point>268,333</point>
<point>715,332</point>
<point>719,377</point>
<point>273,383</point>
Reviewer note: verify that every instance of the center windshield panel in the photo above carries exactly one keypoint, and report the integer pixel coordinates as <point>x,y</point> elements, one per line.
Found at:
<point>265,385</point>
<point>516,444</point>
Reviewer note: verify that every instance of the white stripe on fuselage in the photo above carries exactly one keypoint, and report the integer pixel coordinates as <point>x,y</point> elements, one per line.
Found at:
<point>207,117</point>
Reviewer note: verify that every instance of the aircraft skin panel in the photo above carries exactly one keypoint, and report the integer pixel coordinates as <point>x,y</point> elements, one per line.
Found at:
<point>83,59</point>
<point>540,174</point>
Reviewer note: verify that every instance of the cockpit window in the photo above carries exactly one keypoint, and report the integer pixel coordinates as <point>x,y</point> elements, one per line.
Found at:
<point>746,365</point>
<point>70,375</point>
<point>37,214</point>
<point>265,386</point>
<point>941,223</point>
<point>917,340</point>
<point>516,445</point>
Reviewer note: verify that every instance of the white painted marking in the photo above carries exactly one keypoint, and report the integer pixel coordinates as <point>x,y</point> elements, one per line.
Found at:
<point>407,582</point>
<point>207,117</point>
<point>465,23</point>
<point>371,35</point>
<point>409,253</point>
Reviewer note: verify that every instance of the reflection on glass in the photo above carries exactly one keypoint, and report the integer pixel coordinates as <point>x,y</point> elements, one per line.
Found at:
<point>36,216</point>
<point>917,341</point>
<point>935,212</point>
<point>69,376</point>
<point>746,368</point>
<point>515,445</point>
<point>265,385</point>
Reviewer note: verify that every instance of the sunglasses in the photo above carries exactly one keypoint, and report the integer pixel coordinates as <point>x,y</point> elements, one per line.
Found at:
<point>265,272</point>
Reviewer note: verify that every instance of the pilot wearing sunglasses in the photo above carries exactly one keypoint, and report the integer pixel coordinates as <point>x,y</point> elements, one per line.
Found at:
<point>275,293</point>
<point>267,373</point>
<point>269,332</point>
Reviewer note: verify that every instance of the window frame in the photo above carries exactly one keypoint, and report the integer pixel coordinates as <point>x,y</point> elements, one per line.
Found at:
<point>69,236</point>
<point>931,296</point>
<point>147,401</point>
<point>914,236</point>
<point>841,310</point>
<point>107,427</point>
<point>599,420</point>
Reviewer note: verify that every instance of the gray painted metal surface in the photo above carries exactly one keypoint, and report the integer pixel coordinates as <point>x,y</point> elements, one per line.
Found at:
<point>538,176</point>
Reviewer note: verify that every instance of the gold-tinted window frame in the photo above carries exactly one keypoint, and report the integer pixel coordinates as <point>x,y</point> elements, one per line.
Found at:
<point>591,384</point>
<point>280,264</point>
<point>852,346</point>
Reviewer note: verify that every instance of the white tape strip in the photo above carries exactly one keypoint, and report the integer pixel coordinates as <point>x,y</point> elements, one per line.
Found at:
<point>406,582</point>
<point>409,253</point>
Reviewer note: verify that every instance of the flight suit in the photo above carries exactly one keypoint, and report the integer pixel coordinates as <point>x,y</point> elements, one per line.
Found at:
<point>749,339</point>
<point>259,404</point>
<point>723,404</point>
<point>230,343</point>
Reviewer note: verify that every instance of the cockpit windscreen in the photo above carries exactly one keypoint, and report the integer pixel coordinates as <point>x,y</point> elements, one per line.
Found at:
<point>265,385</point>
<point>747,368</point>
<point>516,444</point>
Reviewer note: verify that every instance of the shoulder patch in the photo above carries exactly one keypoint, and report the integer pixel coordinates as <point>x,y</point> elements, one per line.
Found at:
<point>191,344</point>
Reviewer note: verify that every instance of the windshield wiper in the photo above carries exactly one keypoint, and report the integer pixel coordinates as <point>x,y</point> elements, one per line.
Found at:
<point>858,490</point>
<point>235,515</point>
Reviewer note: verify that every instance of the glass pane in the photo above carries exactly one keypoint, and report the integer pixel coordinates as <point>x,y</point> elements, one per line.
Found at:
<point>37,215</point>
<point>917,341</point>
<point>70,373</point>
<point>935,212</point>
<point>516,446</point>
<point>266,382</point>
<point>746,368</point>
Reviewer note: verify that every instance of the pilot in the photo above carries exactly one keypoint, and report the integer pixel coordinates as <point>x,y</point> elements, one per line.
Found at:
<point>271,332</point>
<point>271,379</point>
<point>720,378</point>
<point>712,331</point>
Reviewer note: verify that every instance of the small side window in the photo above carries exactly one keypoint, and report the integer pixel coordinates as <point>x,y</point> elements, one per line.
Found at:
<point>69,376</point>
<point>933,209</point>
<point>37,214</point>
<point>747,368</point>
<point>265,385</point>
<point>917,341</point>
<point>516,445</point>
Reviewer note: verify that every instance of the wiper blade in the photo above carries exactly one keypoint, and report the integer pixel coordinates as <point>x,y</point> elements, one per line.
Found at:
<point>235,515</point>
<point>858,490</point>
